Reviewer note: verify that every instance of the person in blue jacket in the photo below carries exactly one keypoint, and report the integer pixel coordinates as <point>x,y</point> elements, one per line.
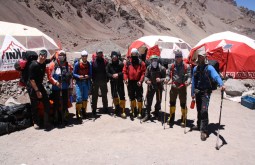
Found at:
<point>82,73</point>
<point>202,77</point>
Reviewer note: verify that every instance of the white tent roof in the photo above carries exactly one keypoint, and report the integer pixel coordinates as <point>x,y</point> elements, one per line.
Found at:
<point>25,33</point>
<point>228,35</point>
<point>151,40</point>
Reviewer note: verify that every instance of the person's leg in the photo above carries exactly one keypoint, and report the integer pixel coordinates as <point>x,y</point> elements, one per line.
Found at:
<point>121,92</point>
<point>204,115</point>
<point>139,97</point>
<point>103,88</point>
<point>94,98</point>
<point>173,97</point>
<point>78,89</point>
<point>85,94</point>
<point>46,103</point>
<point>149,98</point>
<point>131,94</point>
<point>183,103</point>
<point>158,102</point>
<point>34,108</point>
<point>199,106</point>
<point>65,105</point>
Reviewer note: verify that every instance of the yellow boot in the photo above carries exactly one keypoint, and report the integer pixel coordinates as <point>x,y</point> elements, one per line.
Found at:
<point>78,110</point>
<point>84,108</point>
<point>140,106</point>
<point>122,106</point>
<point>116,102</point>
<point>133,106</point>
<point>172,115</point>
<point>184,116</point>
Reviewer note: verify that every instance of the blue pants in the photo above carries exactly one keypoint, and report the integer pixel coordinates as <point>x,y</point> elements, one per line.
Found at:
<point>82,90</point>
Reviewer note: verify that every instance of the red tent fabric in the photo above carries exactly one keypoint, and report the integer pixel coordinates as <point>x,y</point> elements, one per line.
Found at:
<point>239,60</point>
<point>153,51</point>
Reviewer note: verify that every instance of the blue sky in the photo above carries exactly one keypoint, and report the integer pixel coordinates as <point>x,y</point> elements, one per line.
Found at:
<point>250,4</point>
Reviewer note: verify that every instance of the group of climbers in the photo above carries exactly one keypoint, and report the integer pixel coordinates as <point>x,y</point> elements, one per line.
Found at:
<point>91,77</point>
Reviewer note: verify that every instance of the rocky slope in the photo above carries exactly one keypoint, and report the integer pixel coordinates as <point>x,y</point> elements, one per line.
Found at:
<point>80,24</point>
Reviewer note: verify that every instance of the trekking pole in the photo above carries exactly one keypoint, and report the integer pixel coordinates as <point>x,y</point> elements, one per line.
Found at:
<point>165,108</point>
<point>218,133</point>
<point>185,120</point>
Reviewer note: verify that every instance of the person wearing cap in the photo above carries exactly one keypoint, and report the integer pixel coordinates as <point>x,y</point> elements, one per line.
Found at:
<point>154,77</point>
<point>179,76</point>
<point>133,72</point>
<point>60,76</point>
<point>201,90</point>
<point>82,73</point>
<point>100,79</point>
<point>36,90</point>
<point>114,72</point>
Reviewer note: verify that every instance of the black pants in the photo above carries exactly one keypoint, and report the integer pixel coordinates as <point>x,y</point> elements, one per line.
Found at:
<point>117,89</point>
<point>203,99</point>
<point>103,88</point>
<point>35,101</point>
<point>60,104</point>
<point>152,90</point>
<point>182,92</point>
<point>135,91</point>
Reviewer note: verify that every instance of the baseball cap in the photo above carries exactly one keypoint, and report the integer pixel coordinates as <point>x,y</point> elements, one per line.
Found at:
<point>84,53</point>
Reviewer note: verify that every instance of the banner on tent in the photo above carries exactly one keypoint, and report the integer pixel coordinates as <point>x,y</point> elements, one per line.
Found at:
<point>11,53</point>
<point>241,75</point>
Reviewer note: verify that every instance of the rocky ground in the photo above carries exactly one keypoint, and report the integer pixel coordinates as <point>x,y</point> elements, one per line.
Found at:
<point>111,140</point>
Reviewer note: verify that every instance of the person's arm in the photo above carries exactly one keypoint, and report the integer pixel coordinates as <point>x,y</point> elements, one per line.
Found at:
<point>193,83</point>
<point>215,76</point>
<point>49,74</point>
<point>75,71</point>
<point>125,72</point>
<point>147,75</point>
<point>143,69</point>
<point>120,74</point>
<point>108,70</point>
<point>188,75</point>
<point>163,74</point>
<point>168,73</point>
<point>90,70</point>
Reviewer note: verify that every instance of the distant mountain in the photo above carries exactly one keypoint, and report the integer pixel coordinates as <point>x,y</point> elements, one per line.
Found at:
<point>88,24</point>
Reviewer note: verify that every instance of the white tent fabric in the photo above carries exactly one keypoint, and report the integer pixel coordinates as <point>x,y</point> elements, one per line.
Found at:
<point>167,45</point>
<point>31,38</point>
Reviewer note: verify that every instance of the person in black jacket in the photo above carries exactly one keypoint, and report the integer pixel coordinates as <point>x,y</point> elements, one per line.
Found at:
<point>37,91</point>
<point>114,72</point>
<point>100,79</point>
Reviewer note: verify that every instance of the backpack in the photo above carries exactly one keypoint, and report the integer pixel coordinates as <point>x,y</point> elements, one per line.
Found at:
<point>215,65</point>
<point>22,66</point>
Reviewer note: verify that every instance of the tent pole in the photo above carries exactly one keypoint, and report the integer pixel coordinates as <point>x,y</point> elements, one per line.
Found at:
<point>226,65</point>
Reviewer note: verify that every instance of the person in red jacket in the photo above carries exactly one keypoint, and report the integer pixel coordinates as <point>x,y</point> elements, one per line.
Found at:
<point>133,72</point>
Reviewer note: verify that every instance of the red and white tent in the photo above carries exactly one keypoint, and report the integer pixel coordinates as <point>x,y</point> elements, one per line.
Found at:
<point>241,57</point>
<point>16,39</point>
<point>162,46</point>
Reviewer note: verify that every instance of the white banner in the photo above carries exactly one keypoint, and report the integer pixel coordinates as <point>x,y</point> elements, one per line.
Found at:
<point>11,51</point>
